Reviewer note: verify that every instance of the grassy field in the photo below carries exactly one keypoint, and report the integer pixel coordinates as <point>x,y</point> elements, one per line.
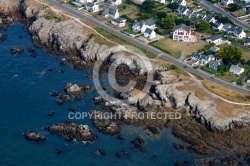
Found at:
<point>176,48</point>
<point>122,42</point>
<point>226,93</point>
<point>131,11</point>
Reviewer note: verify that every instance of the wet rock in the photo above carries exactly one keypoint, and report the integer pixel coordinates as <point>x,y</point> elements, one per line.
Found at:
<point>138,142</point>
<point>72,131</point>
<point>97,99</point>
<point>101,152</point>
<point>74,91</point>
<point>50,69</point>
<point>184,163</point>
<point>72,108</point>
<point>119,137</point>
<point>61,71</point>
<point>146,103</point>
<point>62,99</point>
<point>104,124</point>
<point>58,152</point>
<point>52,113</point>
<point>152,131</point>
<point>64,61</point>
<point>2,37</point>
<point>117,155</point>
<point>87,88</point>
<point>33,136</point>
<point>16,51</point>
<point>54,93</point>
<point>178,147</point>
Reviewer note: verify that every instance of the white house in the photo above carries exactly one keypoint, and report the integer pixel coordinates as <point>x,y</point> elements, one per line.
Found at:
<point>236,70</point>
<point>239,33</point>
<point>227,2</point>
<point>142,26</point>
<point>217,25</point>
<point>83,1</point>
<point>161,1</point>
<point>182,10</point>
<point>116,2</point>
<point>91,7</point>
<point>247,42</point>
<point>213,64</point>
<point>216,39</point>
<point>226,27</point>
<point>111,12</point>
<point>120,22</point>
<point>182,2</point>
<point>209,18</point>
<point>149,33</point>
<point>195,57</point>
<point>204,59</point>
<point>184,33</point>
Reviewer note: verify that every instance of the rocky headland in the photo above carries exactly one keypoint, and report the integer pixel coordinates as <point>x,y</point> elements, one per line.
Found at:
<point>209,125</point>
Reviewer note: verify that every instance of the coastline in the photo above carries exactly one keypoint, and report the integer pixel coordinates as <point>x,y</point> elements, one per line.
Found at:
<point>88,56</point>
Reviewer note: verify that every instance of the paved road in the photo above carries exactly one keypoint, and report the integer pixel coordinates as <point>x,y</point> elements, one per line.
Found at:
<point>149,48</point>
<point>209,6</point>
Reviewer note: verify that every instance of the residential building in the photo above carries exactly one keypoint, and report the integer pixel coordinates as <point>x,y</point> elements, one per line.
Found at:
<point>149,33</point>
<point>195,57</point>
<point>236,70</point>
<point>217,25</point>
<point>83,1</point>
<point>239,33</point>
<point>227,2</point>
<point>92,7</point>
<point>226,27</point>
<point>209,18</point>
<point>161,1</point>
<point>247,42</point>
<point>246,1</point>
<point>142,26</point>
<point>216,39</point>
<point>214,49</point>
<point>116,2</point>
<point>111,12</point>
<point>182,10</point>
<point>204,59</point>
<point>182,2</point>
<point>184,33</point>
<point>213,64</point>
<point>120,22</point>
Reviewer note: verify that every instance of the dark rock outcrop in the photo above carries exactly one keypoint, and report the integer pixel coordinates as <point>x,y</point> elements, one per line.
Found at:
<point>138,142</point>
<point>72,131</point>
<point>33,136</point>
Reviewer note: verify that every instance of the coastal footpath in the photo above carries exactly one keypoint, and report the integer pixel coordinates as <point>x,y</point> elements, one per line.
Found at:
<point>209,125</point>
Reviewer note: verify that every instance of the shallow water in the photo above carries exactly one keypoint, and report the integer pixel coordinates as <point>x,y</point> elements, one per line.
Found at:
<point>25,84</point>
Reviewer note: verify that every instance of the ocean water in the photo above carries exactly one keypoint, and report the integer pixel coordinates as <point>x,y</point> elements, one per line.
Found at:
<point>25,84</point>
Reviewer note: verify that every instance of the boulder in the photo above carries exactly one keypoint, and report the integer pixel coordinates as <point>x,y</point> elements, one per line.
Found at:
<point>33,136</point>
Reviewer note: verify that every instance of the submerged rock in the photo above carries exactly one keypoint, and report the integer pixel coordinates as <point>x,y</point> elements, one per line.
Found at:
<point>72,131</point>
<point>101,152</point>
<point>2,37</point>
<point>33,136</point>
<point>16,51</point>
<point>138,142</point>
<point>54,93</point>
<point>152,131</point>
<point>178,147</point>
<point>72,108</point>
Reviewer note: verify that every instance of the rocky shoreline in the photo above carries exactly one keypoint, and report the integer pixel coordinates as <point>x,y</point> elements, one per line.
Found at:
<point>202,126</point>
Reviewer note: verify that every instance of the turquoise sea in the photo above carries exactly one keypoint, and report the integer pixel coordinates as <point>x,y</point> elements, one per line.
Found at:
<point>25,84</point>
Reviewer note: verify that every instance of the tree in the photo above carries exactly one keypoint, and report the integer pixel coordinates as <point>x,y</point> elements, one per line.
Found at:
<point>230,55</point>
<point>223,20</point>
<point>129,1</point>
<point>161,15</point>
<point>173,5</point>
<point>222,68</point>
<point>148,6</point>
<point>168,22</point>
<point>204,26</point>
<point>233,7</point>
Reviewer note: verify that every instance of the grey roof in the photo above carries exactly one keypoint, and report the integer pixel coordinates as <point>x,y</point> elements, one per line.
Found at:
<point>204,57</point>
<point>149,31</point>
<point>137,23</point>
<point>247,40</point>
<point>214,63</point>
<point>208,18</point>
<point>226,26</point>
<point>182,9</point>
<point>211,56</point>
<point>179,1</point>
<point>234,68</point>
<point>217,24</point>
<point>90,4</point>
<point>196,55</point>
<point>112,10</point>
<point>181,26</point>
<point>119,20</point>
<point>237,31</point>
<point>214,37</point>
<point>149,22</point>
